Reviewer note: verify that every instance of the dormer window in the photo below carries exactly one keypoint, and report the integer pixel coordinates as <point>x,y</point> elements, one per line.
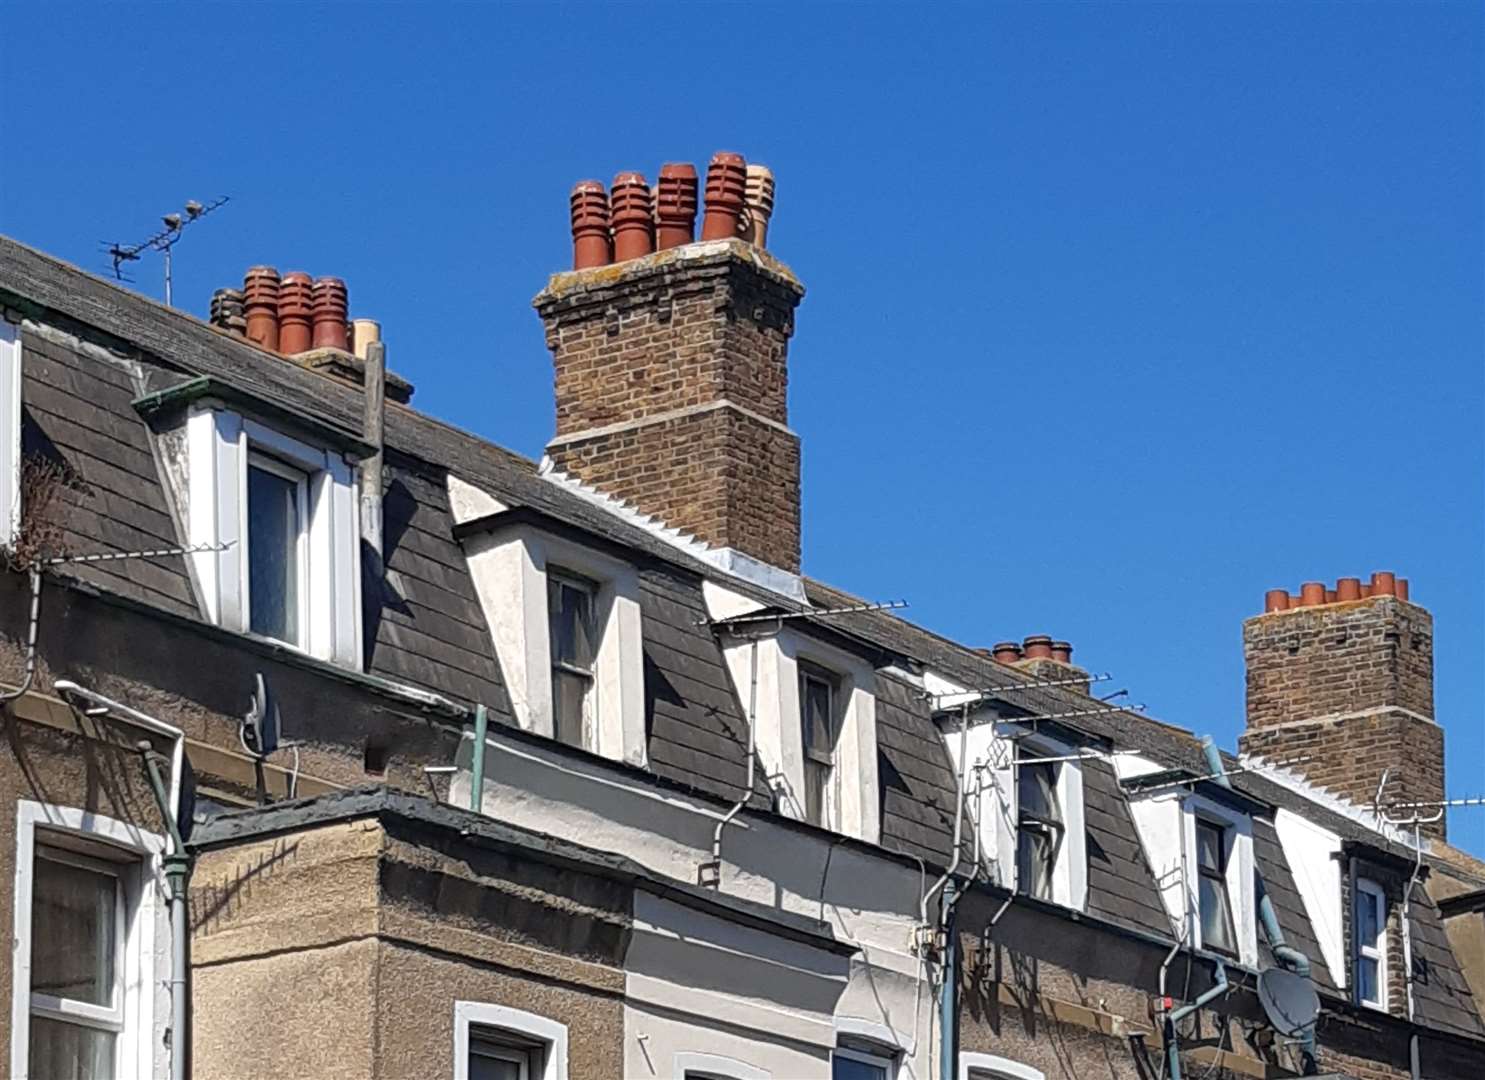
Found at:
<point>1039,828</point>
<point>571,601</point>
<point>820,723</point>
<point>1213,903</point>
<point>1369,917</point>
<point>277,549</point>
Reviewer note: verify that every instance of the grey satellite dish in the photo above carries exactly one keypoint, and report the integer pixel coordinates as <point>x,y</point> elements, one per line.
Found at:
<point>260,726</point>
<point>1289,1001</point>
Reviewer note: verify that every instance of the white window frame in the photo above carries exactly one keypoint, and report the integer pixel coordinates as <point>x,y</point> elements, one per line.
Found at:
<point>885,1060</point>
<point>509,567</point>
<point>1237,838</point>
<point>472,1016</point>
<point>974,1066</point>
<point>851,804</point>
<point>1378,949</point>
<point>141,883</point>
<point>10,432</point>
<point>691,1065</point>
<point>220,445</point>
<point>264,462</point>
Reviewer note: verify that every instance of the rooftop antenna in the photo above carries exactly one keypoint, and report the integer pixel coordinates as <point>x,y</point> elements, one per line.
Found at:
<point>163,241</point>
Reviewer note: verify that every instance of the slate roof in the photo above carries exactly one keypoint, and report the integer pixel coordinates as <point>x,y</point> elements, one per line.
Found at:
<point>1441,995</point>
<point>1289,907</point>
<point>427,627</point>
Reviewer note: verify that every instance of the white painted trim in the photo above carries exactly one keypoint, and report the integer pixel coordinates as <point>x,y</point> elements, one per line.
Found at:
<point>665,418</point>
<point>1376,951</point>
<point>469,503</point>
<point>876,1032</point>
<point>509,568</point>
<point>715,1065</point>
<point>137,1041</point>
<point>479,1014</point>
<point>1070,873</point>
<point>1313,854</point>
<point>10,432</point>
<point>1364,816</point>
<point>998,1067</point>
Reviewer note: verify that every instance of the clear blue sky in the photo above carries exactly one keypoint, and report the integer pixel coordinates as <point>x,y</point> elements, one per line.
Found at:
<point>1118,316</point>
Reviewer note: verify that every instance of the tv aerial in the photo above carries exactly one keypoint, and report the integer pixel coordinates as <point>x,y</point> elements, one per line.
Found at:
<point>163,241</point>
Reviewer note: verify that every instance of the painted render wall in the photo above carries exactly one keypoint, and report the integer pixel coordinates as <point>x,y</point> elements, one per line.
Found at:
<point>791,868</point>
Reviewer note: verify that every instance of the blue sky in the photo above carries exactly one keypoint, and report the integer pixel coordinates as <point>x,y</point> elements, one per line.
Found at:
<point>1119,314</point>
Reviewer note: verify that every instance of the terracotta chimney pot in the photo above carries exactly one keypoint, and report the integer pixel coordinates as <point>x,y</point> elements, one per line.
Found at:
<point>1384,583</point>
<point>1312,593</point>
<point>1276,600</point>
<point>330,301</point>
<point>590,224</point>
<point>363,333</point>
<point>1062,651</point>
<point>1348,588</point>
<point>260,288</point>
<point>295,311</point>
<point>1005,652</point>
<point>1402,588</point>
<point>675,206</point>
<point>1037,647</point>
<point>632,211</point>
<point>726,195</point>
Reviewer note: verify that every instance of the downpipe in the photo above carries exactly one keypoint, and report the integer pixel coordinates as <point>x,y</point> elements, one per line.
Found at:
<point>1175,1016</point>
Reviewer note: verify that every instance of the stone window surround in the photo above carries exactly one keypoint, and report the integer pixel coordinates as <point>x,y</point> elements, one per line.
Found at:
<point>10,431</point>
<point>509,567</point>
<point>975,1066</point>
<point>851,803</point>
<point>145,921</point>
<point>470,1016</point>
<point>702,1066</point>
<point>219,443</point>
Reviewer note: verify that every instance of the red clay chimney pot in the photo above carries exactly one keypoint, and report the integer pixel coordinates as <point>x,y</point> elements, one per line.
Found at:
<point>1038,647</point>
<point>330,301</point>
<point>1384,583</point>
<point>1062,651</point>
<point>295,310</point>
<point>1402,588</point>
<point>1348,588</point>
<point>1276,600</point>
<point>1312,593</point>
<point>1006,652</point>
<point>726,194</point>
<point>260,287</point>
<point>633,214</point>
<point>675,206</point>
<point>590,223</point>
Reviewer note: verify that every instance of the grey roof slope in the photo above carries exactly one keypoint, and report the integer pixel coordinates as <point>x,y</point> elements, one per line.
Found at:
<point>76,413</point>
<point>1121,885</point>
<point>1441,995</point>
<point>1289,906</point>
<point>914,774</point>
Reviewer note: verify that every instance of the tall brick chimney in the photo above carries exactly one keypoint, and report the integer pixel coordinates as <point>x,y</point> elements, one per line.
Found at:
<point>1345,675</point>
<point>672,390</point>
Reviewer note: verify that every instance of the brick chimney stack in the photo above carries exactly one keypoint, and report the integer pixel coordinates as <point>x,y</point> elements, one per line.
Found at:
<point>672,383</point>
<point>1345,675</point>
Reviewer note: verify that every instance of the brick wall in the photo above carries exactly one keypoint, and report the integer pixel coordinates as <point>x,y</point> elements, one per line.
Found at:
<point>1351,685</point>
<point>671,386</point>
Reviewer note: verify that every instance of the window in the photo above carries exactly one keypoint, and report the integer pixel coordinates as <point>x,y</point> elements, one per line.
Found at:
<point>818,691</point>
<point>850,1064</point>
<point>83,967</point>
<point>287,515</point>
<point>1370,921</point>
<point>10,431</point>
<point>1039,828</point>
<point>277,509</point>
<point>494,1042</point>
<point>574,645</point>
<point>694,1065</point>
<point>977,1066</point>
<point>1217,932</point>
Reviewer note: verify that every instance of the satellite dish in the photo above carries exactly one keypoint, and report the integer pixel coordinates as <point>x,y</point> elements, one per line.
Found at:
<point>260,726</point>
<point>1289,1001</point>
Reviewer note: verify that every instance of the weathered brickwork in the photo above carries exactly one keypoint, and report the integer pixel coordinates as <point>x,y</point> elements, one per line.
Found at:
<point>671,383</point>
<point>1351,686</point>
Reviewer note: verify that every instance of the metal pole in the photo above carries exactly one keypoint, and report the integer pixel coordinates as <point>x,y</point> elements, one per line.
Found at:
<point>177,865</point>
<point>949,988</point>
<point>477,781</point>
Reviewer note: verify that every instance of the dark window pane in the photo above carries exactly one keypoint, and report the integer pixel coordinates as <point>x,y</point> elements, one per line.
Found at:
<point>569,705</point>
<point>273,555</point>
<point>816,776</point>
<point>1035,857</point>
<point>1037,792</point>
<point>1216,915</point>
<point>73,932</point>
<point>1209,847</point>
<point>1367,918</point>
<point>1366,979</point>
<point>816,702</point>
<point>61,1051</point>
<point>570,611</point>
<point>842,1068</point>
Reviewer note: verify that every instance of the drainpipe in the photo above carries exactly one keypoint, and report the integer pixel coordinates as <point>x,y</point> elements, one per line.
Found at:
<point>1172,1041</point>
<point>715,866</point>
<point>949,990</point>
<point>477,780</point>
<point>1287,955</point>
<point>176,863</point>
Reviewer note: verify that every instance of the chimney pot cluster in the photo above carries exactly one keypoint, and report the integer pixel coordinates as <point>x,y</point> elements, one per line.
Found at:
<point>290,314</point>
<point>630,220</point>
<point>1034,647</point>
<point>1315,593</point>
